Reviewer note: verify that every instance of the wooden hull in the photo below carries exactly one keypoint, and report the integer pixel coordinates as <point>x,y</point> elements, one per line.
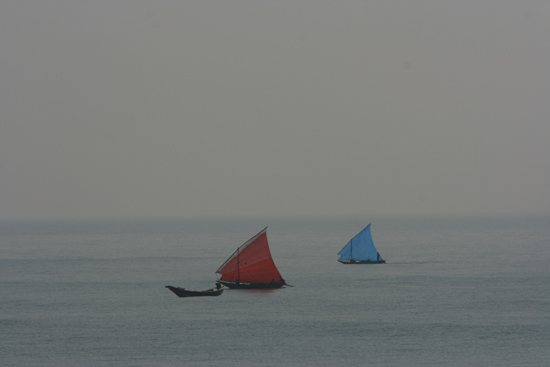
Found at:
<point>352,262</point>
<point>233,285</point>
<point>182,292</point>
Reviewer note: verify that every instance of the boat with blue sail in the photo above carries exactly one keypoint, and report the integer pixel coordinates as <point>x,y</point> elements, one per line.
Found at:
<point>360,250</point>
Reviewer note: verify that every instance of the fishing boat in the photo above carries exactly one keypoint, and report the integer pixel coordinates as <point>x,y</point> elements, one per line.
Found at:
<point>360,250</point>
<point>251,266</point>
<point>182,292</point>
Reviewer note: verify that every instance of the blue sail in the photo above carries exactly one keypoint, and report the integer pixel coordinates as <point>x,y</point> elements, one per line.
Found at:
<point>360,249</point>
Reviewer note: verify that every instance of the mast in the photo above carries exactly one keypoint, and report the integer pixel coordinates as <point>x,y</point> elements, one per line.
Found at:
<point>238,265</point>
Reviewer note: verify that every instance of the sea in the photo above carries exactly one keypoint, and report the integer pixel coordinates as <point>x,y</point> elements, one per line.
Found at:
<point>455,291</point>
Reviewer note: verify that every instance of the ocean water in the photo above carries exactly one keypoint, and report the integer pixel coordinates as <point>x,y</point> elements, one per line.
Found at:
<point>456,291</point>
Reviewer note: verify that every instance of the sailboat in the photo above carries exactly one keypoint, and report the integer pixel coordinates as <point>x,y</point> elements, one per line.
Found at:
<point>360,250</point>
<point>251,266</point>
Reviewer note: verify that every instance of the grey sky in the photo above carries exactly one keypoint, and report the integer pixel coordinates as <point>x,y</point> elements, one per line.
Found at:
<point>240,108</point>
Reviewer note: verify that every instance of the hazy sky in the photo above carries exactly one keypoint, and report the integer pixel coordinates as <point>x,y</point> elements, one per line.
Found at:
<point>126,109</point>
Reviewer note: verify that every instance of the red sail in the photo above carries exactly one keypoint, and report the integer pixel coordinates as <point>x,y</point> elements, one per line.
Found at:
<point>251,263</point>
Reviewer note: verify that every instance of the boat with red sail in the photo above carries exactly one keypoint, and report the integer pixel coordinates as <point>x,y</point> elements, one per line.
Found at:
<point>251,266</point>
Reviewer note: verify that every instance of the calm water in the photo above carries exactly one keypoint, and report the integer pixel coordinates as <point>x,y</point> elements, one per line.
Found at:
<point>455,292</point>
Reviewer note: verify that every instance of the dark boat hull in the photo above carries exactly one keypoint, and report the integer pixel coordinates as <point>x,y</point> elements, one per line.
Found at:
<point>352,262</point>
<point>233,285</point>
<point>182,292</point>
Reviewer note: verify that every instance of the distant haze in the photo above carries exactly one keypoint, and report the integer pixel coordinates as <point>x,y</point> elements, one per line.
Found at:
<point>151,109</point>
